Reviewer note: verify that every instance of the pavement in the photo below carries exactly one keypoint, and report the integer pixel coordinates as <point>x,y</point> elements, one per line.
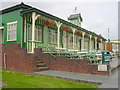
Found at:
<point>113,81</point>
<point>75,76</point>
<point>105,81</point>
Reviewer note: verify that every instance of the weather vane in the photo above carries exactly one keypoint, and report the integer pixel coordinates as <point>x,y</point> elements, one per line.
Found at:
<point>75,10</point>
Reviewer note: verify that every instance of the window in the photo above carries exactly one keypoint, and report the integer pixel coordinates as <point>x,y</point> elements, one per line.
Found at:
<point>53,36</point>
<point>76,40</point>
<point>71,39</point>
<point>38,33</point>
<point>11,31</point>
<point>29,32</point>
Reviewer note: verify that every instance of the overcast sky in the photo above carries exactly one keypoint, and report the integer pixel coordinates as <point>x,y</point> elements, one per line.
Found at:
<point>97,16</point>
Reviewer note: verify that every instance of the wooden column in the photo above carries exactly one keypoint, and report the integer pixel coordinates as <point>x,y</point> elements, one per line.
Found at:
<point>95,43</point>
<point>34,18</point>
<point>58,33</point>
<point>90,43</point>
<point>82,41</point>
<point>73,29</point>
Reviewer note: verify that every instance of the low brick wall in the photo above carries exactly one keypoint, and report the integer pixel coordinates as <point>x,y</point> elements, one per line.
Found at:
<point>17,59</point>
<point>0,56</point>
<point>63,63</point>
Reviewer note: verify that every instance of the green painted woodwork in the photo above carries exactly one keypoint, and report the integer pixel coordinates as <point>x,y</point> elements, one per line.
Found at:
<point>1,21</point>
<point>11,17</point>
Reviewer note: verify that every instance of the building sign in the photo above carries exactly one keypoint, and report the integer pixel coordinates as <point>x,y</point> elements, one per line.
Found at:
<point>102,67</point>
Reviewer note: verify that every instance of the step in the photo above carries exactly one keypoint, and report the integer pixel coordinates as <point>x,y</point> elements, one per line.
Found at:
<point>41,68</point>
<point>40,64</point>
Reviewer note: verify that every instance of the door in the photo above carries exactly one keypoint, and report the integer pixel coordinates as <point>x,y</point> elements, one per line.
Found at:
<point>1,36</point>
<point>80,44</point>
<point>97,46</point>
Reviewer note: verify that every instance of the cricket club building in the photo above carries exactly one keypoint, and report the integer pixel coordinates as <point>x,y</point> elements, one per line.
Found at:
<point>30,37</point>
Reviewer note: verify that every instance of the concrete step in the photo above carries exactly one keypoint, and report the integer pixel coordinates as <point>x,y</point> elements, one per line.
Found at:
<point>42,68</point>
<point>40,64</point>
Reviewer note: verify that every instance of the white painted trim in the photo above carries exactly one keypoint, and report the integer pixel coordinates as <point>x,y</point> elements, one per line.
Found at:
<point>25,29</point>
<point>33,31</point>
<point>90,45</point>
<point>95,43</point>
<point>82,41</point>
<point>12,22</point>
<point>11,40</point>
<point>58,24</point>
<point>1,27</point>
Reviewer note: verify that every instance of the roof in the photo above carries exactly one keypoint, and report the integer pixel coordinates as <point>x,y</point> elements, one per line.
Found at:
<point>29,9</point>
<point>75,16</point>
<point>16,7</point>
<point>115,41</point>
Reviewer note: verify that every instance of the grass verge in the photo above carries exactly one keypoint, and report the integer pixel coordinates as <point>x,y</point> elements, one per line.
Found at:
<point>20,80</point>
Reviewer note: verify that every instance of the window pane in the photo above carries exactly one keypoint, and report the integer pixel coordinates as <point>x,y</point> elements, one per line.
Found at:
<point>11,31</point>
<point>30,32</point>
<point>35,34</point>
<point>38,33</point>
<point>8,27</point>
<point>53,36</point>
<point>12,35</point>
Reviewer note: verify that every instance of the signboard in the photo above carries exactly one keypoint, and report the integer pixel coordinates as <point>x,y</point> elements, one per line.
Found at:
<point>102,67</point>
<point>107,58</point>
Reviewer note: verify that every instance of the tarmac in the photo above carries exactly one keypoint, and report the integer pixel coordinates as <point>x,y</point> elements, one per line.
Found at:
<point>113,81</point>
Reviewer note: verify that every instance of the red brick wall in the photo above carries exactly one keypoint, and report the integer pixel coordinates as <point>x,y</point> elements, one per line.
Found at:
<point>0,56</point>
<point>19,60</point>
<point>63,63</point>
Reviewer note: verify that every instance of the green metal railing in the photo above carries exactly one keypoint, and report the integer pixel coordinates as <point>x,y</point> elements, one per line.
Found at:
<point>53,51</point>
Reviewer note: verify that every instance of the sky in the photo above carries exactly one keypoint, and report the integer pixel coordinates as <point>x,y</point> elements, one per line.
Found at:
<point>98,15</point>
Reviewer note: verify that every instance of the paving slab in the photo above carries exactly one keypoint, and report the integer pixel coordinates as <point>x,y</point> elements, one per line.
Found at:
<point>75,76</point>
<point>105,81</point>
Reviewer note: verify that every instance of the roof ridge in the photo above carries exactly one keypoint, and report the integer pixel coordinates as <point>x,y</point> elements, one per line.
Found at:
<point>15,7</point>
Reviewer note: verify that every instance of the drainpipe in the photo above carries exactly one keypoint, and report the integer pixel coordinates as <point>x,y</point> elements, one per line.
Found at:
<point>5,66</point>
